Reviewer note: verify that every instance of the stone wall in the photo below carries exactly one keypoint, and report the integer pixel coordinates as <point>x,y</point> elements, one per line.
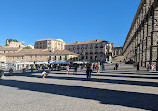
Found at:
<point>142,40</point>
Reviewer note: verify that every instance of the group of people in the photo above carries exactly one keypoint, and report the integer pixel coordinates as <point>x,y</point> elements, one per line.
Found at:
<point>150,67</point>
<point>98,67</point>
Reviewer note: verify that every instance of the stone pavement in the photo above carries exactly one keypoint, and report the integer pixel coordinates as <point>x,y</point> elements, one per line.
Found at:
<point>122,90</point>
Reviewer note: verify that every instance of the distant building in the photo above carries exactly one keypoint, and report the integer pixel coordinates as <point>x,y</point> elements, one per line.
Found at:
<point>50,44</point>
<point>12,55</point>
<point>40,55</point>
<point>4,50</point>
<point>117,51</point>
<point>93,50</point>
<point>31,46</point>
<point>15,44</point>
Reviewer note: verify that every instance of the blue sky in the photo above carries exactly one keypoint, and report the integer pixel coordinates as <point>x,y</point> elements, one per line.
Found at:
<point>70,20</point>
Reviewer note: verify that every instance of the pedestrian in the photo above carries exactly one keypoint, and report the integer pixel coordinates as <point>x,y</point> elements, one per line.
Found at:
<point>75,68</point>
<point>93,66</point>
<point>103,67</point>
<point>43,67</point>
<point>44,74</point>
<point>81,67</point>
<point>88,71</point>
<point>116,66</point>
<point>137,66</point>
<point>152,67</point>
<point>98,68</point>
<point>67,69</point>
<point>148,67</point>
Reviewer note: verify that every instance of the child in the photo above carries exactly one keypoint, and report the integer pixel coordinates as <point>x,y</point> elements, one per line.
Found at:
<point>44,74</point>
<point>67,69</point>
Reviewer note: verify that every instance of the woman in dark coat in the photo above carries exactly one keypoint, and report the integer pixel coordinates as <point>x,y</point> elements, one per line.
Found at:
<point>88,71</point>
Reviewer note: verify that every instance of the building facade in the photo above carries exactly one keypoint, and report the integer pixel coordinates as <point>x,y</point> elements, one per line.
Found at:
<point>40,55</point>
<point>141,44</point>
<point>50,44</point>
<point>4,50</point>
<point>15,44</point>
<point>117,51</point>
<point>93,50</point>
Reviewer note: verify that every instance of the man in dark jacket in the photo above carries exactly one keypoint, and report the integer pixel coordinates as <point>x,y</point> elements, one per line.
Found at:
<point>88,71</point>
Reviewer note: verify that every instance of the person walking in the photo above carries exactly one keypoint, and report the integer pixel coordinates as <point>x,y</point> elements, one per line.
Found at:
<point>67,69</point>
<point>88,71</point>
<point>116,66</point>
<point>137,66</point>
<point>75,68</point>
<point>98,68</point>
<point>103,67</point>
<point>94,66</point>
<point>152,68</point>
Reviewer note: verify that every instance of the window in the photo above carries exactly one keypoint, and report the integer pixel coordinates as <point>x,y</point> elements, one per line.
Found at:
<point>17,58</point>
<point>60,58</point>
<point>40,57</point>
<point>22,57</point>
<point>55,58</point>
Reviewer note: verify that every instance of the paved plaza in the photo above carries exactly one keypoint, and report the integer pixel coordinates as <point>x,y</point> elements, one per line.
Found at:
<point>121,90</point>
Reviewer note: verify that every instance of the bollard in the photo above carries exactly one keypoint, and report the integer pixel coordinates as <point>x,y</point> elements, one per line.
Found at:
<point>24,70</point>
<point>10,71</point>
<point>1,73</point>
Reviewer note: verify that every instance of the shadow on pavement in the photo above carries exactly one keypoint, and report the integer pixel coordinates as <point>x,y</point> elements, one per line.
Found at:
<point>126,82</point>
<point>104,96</point>
<point>140,77</point>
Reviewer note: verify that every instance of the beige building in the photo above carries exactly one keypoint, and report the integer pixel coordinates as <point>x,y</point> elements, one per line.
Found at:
<point>141,44</point>
<point>40,55</point>
<point>4,50</point>
<point>50,44</point>
<point>93,50</point>
<point>15,44</point>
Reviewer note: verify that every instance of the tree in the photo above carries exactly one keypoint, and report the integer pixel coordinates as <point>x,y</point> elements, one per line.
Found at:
<point>10,40</point>
<point>27,47</point>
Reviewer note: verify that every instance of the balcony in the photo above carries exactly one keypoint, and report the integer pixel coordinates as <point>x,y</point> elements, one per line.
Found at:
<point>86,53</point>
<point>91,52</point>
<point>101,47</point>
<point>96,47</point>
<point>96,52</point>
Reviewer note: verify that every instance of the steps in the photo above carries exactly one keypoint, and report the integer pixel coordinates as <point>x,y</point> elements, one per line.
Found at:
<point>118,59</point>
